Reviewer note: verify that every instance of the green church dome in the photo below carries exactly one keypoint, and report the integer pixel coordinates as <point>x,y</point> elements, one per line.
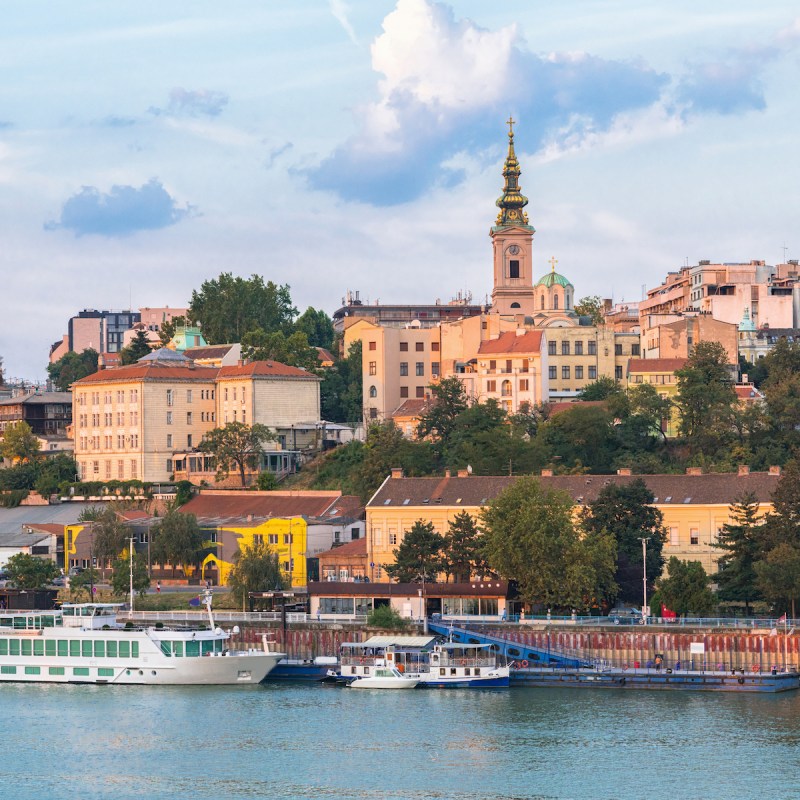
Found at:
<point>553,279</point>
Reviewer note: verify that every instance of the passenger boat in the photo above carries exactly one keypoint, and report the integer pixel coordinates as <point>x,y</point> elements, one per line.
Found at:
<point>436,665</point>
<point>84,643</point>
<point>384,678</point>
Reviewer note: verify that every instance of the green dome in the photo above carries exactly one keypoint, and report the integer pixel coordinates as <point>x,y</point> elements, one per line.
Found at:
<point>553,279</point>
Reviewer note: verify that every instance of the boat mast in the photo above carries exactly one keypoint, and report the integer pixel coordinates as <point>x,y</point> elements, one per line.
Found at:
<point>130,565</point>
<point>207,601</point>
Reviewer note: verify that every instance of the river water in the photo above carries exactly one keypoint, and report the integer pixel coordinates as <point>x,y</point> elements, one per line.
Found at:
<point>301,741</point>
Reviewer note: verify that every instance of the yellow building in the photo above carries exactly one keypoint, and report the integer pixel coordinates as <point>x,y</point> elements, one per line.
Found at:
<point>659,373</point>
<point>695,506</point>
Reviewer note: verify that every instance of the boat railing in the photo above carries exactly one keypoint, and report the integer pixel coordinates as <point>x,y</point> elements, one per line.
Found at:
<point>202,616</point>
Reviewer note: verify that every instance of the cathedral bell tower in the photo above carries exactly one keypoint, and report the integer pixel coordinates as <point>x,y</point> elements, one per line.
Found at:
<point>512,240</point>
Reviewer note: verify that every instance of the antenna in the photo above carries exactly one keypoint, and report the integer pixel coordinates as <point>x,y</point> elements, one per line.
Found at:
<point>785,248</point>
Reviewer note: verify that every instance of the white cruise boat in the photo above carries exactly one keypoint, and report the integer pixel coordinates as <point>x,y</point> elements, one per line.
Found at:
<point>84,643</point>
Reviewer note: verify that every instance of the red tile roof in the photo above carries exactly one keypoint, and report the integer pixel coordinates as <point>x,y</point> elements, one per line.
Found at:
<point>648,365</point>
<point>265,369</point>
<point>510,342</point>
<point>45,527</point>
<point>152,371</point>
<point>358,547</point>
<point>412,408</point>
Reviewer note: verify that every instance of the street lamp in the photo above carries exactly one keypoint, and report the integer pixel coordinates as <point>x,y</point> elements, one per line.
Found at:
<point>643,540</point>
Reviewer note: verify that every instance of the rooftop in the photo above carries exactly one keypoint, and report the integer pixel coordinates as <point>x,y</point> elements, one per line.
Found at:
<point>513,342</point>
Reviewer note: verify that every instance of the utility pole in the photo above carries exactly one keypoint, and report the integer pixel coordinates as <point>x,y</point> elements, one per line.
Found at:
<point>643,540</point>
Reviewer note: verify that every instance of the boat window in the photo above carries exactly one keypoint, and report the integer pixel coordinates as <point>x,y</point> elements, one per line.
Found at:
<point>56,670</point>
<point>13,647</point>
<point>86,648</point>
<point>27,647</point>
<point>166,648</point>
<point>69,612</point>
<point>6,670</point>
<point>111,649</point>
<point>124,649</point>
<point>3,647</point>
<point>87,612</point>
<point>82,671</point>
<point>50,647</point>
<point>20,622</point>
<point>33,670</point>
<point>99,649</point>
<point>207,646</point>
<point>177,649</point>
<point>74,647</point>
<point>63,647</point>
<point>192,649</point>
<point>38,647</point>
<point>134,649</point>
<point>105,672</point>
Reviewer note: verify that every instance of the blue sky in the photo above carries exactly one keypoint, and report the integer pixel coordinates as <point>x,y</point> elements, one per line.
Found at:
<point>357,144</point>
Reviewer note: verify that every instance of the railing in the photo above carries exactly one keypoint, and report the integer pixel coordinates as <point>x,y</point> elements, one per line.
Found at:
<point>202,616</point>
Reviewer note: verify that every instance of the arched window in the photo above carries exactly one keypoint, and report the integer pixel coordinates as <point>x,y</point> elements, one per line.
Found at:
<point>505,389</point>
<point>515,305</point>
<point>566,301</point>
<point>373,391</point>
<point>555,300</point>
<point>541,302</point>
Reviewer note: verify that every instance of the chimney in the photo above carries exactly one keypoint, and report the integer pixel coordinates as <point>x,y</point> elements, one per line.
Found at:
<point>397,472</point>
<point>624,471</point>
<point>462,473</point>
<point>694,470</point>
<point>447,473</point>
<point>547,473</point>
<point>743,470</point>
<point>775,470</point>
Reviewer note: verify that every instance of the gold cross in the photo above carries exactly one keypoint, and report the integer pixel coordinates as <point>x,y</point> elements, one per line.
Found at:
<point>553,262</point>
<point>510,123</point>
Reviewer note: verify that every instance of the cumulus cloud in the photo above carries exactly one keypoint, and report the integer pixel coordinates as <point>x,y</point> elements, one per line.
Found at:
<point>448,83</point>
<point>188,103</point>
<point>123,211</point>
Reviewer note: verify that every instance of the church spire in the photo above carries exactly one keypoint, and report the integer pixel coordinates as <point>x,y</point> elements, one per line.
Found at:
<point>512,200</point>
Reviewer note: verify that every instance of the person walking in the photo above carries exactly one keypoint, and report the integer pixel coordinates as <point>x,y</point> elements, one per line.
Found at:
<point>158,587</point>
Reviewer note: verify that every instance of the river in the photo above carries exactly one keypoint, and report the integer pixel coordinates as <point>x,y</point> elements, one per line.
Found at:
<point>301,741</point>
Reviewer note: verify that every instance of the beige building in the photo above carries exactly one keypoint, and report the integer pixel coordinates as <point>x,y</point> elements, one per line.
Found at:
<point>677,337</point>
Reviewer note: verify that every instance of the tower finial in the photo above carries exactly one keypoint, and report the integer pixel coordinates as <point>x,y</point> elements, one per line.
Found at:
<point>510,123</point>
<point>512,200</point>
<point>553,262</point>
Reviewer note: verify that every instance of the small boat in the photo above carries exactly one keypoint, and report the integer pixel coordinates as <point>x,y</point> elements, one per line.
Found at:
<point>384,678</point>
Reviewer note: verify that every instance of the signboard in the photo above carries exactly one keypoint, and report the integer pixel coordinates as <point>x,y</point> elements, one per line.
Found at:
<point>697,648</point>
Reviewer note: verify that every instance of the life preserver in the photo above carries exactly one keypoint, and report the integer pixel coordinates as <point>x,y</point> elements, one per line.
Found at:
<point>756,667</point>
<point>523,664</point>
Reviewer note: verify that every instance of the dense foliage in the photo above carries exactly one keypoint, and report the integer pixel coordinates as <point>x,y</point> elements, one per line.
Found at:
<point>255,569</point>
<point>236,446</point>
<point>30,572</point>
<point>72,367</point>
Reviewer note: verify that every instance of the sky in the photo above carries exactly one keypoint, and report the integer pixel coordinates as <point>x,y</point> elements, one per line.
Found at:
<point>337,145</point>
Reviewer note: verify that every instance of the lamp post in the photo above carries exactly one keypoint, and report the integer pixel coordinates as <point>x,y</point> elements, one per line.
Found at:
<point>643,540</point>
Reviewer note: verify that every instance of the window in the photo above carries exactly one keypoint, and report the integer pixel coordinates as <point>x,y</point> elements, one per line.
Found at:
<point>555,302</point>
<point>435,369</point>
<point>108,470</point>
<point>420,347</point>
<point>421,392</point>
<point>404,391</point>
<point>565,373</point>
<point>674,539</point>
<point>373,391</point>
<point>513,268</point>
<point>188,395</point>
<point>134,468</point>
<point>564,348</point>
<point>120,469</point>
<point>420,369</point>
<point>618,373</point>
<point>592,373</point>
<point>373,413</point>
<point>169,418</point>
<point>523,385</point>
<point>579,373</point>
<point>170,397</point>
<point>392,538</point>
<point>592,348</point>
<point>553,374</point>
<point>169,440</point>
<point>636,350</point>
<point>403,369</point>
<point>579,348</point>
<point>189,441</point>
<point>288,538</point>
<point>435,347</point>
<point>188,417</point>
<point>374,346</point>
<point>403,347</point>
<point>373,367</point>
<point>491,386</point>
<point>617,349</point>
<point>551,348</point>
<point>694,536</point>
<point>272,538</point>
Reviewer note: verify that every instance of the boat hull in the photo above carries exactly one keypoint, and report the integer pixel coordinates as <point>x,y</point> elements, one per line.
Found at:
<point>383,683</point>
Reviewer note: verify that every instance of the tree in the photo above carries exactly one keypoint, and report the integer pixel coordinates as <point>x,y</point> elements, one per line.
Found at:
<point>387,618</point>
<point>55,471</point>
<point>778,576</point>
<point>177,540</point>
<point>19,443</point>
<point>705,397</point>
<point>31,572</point>
<point>448,400</point>
<point>592,307</point>
<point>256,569</point>
<point>463,548</point>
<point>579,437</point>
<point>83,582</point>
<point>317,326</point>
<point>686,589</point>
<point>649,410</point>
<point>782,525</point>
<point>167,330</point>
<point>228,307</point>
<point>341,388</point>
<point>236,446</point>
<point>782,389</point>
<point>419,556</point>
<point>293,350</point>
<point>108,533</point>
<point>626,512</point>
<point>139,347</point>
<point>531,537</point>
<point>121,577</point>
<point>741,540</point>
<point>72,367</point>
<point>601,389</point>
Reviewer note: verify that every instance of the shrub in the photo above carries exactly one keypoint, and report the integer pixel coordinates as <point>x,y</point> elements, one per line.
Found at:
<point>386,617</point>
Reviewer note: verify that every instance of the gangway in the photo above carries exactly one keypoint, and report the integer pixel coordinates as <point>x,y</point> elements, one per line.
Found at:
<point>518,652</point>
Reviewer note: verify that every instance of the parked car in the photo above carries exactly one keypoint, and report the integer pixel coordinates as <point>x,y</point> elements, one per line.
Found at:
<point>625,615</point>
<point>59,581</point>
<point>75,571</point>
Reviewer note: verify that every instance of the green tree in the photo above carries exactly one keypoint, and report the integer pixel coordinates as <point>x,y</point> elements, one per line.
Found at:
<point>741,540</point>
<point>177,539</point>
<point>167,330</point>
<point>19,443</point>
<point>31,572</point>
<point>236,446</point>
<point>108,534</point>
<point>782,525</point>
<point>387,618</point>
<point>580,437</point>
<point>706,397</point>
<point>72,367</point>
<point>293,350</point>
<point>419,556</point>
<point>139,347</point>
<point>55,471</point>
<point>685,590</point>
<point>626,511</point>
<point>448,400</point>
<point>601,389</point>
<point>341,388</point>
<point>121,576</point>
<point>83,582</point>
<point>317,326</point>
<point>255,569</point>
<point>266,481</point>
<point>228,307</point>
<point>531,537</point>
<point>649,410</point>
<point>592,307</point>
<point>463,548</point>
<point>782,390</point>
<point>778,576</point>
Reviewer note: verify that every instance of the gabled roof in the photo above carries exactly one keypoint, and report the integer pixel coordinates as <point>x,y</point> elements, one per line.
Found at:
<point>648,365</point>
<point>37,398</point>
<point>412,407</point>
<point>511,342</point>
<point>358,547</point>
<point>265,369</point>
<point>209,351</point>
<point>151,371</point>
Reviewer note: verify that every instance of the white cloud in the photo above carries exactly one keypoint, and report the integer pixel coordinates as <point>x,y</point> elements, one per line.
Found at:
<point>341,11</point>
